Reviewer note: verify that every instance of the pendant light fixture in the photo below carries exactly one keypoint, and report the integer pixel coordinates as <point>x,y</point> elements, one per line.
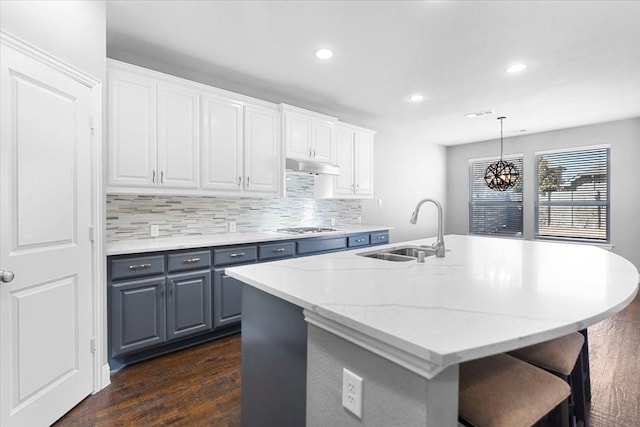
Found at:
<point>501,176</point>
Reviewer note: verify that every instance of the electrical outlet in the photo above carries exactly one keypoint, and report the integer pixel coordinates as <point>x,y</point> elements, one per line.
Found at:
<point>232,226</point>
<point>352,392</point>
<point>333,222</point>
<point>154,230</point>
<point>379,202</point>
<point>359,220</point>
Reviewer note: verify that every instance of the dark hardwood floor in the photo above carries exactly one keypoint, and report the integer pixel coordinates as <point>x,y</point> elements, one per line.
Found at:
<point>200,386</point>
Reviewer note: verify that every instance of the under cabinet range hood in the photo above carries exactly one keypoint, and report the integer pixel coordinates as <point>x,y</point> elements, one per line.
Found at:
<point>309,166</point>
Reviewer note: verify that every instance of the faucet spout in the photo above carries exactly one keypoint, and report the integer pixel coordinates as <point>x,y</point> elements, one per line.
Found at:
<point>438,246</point>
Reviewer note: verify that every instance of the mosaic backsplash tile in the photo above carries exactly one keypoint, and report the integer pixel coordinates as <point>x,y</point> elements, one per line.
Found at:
<point>129,216</point>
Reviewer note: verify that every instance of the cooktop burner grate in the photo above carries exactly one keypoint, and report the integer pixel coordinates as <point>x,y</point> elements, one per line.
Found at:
<point>304,230</point>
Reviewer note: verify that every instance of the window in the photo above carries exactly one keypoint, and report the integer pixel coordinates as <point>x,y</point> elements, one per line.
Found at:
<point>572,200</point>
<point>494,212</point>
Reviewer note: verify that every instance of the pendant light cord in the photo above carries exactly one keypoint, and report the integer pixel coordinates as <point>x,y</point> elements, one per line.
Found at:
<point>501,141</point>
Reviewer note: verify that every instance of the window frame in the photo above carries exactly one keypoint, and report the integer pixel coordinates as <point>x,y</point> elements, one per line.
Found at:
<point>537,203</point>
<point>471,203</point>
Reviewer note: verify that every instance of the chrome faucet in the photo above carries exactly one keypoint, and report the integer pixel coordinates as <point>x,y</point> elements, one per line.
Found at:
<point>438,246</point>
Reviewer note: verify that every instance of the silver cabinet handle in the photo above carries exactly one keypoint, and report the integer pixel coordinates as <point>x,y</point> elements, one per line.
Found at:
<point>357,187</point>
<point>380,238</point>
<point>279,250</point>
<point>139,266</point>
<point>310,152</point>
<point>153,178</point>
<point>237,254</point>
<point>161,177</point>
<point>248,182</point>
<point>314,154</point>
<point>239,181</point>
<point>191,260</point>
<point>6,276</point>
<point>359,240</point>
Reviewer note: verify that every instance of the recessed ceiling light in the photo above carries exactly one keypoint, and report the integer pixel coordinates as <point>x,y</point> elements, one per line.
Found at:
<point>516,68</point>
<point>324,54</point>
<point>479,113</point>
<point>416,98</point>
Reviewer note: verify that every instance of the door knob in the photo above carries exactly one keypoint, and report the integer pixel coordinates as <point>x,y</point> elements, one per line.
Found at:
<point>6,276</point>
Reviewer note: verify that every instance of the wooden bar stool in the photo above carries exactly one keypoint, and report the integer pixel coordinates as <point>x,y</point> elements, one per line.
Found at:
<point>503,391</point>
<point>563,357</point>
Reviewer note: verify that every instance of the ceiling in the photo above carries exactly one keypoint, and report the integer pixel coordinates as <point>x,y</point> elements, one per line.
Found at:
<point>583,59</point>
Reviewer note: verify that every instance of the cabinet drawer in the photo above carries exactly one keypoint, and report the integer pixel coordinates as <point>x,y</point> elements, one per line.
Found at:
<point>358,240</point>
<point>380,238</point>
<point>235,255</point>
<point>276,251</point>
<point>188,261</point>
<point>137,267</point>
<point>320,244</point>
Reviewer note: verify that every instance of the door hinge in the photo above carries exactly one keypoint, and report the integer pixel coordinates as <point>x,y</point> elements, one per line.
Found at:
<point>92,234</point>
<point>92,345</point>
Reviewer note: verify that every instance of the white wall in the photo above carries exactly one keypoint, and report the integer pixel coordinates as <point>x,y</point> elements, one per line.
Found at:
<point>74,31</point>
<point>405,171</point>
<point>624,139</point>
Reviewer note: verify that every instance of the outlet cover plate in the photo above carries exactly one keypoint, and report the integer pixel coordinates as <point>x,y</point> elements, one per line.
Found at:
<point>352,392</point>
<point>154,230</point>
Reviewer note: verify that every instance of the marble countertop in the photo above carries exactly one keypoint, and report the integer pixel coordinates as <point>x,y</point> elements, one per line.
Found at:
<point>488,295</point>
<point>123,247</point>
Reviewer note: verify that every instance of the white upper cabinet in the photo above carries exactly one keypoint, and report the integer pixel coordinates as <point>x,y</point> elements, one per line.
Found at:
<point>172,136</point>
<point>222,144</point>
<point>178,136</point>
<point>354,155</point>
<point>153,131</point>
<point>263,166</point>
<point>308,135</point>
<point>132,129</point>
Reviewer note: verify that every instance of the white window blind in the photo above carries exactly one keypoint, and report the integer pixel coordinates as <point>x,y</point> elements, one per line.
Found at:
<point>572,200</point>
<point>494,212</point>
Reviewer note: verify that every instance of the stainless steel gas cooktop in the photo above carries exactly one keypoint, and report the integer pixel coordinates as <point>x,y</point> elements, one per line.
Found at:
<point>304,230</point>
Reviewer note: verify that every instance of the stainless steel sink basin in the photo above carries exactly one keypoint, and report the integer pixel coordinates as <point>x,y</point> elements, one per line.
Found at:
<point>412,251</point>
<point>399,253</point>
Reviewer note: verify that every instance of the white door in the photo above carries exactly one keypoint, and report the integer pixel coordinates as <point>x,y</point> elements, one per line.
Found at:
<point>323,148</point>
<point>298,135</point>
<point>132,130</point>
<point>178,136</point>
<point>344,183</point>
<point>263,171</point>
<point>221,157</point>
<point>363,148</point>
<point>45,214</point>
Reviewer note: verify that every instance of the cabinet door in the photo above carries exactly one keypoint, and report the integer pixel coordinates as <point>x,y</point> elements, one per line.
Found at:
<point>298,135</point>
<point>323,143</point>
<point>132,129</point>
<point>188,304</point>
<point>178,138</point>
<point>363,147</point>
<point>221,160</point>
<point>137,315</point>
<point>262,166</point>
<point>344,183</point>
<point>227,299</point>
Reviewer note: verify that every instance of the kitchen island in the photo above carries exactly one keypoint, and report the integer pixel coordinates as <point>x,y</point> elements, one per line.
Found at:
<point>404,327</point>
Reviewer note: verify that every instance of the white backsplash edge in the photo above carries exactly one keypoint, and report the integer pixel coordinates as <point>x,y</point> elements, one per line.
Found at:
<point>130,216</point>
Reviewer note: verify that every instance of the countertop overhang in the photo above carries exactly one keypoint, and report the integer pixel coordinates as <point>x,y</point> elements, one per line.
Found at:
<point>488,295</point>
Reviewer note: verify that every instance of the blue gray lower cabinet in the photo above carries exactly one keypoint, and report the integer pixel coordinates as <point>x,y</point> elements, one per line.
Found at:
<point>165,301</point>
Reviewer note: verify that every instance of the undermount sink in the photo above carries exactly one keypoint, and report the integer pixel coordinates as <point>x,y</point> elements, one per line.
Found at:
<point>400,253</point>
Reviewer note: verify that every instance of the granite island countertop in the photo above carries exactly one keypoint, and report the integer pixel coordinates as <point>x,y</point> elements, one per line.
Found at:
<point>488,295</point>
<point>158,244</point>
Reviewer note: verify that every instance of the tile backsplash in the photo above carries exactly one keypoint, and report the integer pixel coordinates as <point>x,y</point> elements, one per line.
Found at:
<point>129,216</point>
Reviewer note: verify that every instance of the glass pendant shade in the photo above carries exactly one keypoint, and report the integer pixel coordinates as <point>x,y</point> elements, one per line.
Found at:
<point>501,176</point>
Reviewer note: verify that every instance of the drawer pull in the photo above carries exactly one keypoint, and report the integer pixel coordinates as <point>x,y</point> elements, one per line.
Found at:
<point>237,254</point>
<point>380,237</point>
<point>139,266</point>
<point>191,260</point>
<point>279,250</point>
<point>359,240</point>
